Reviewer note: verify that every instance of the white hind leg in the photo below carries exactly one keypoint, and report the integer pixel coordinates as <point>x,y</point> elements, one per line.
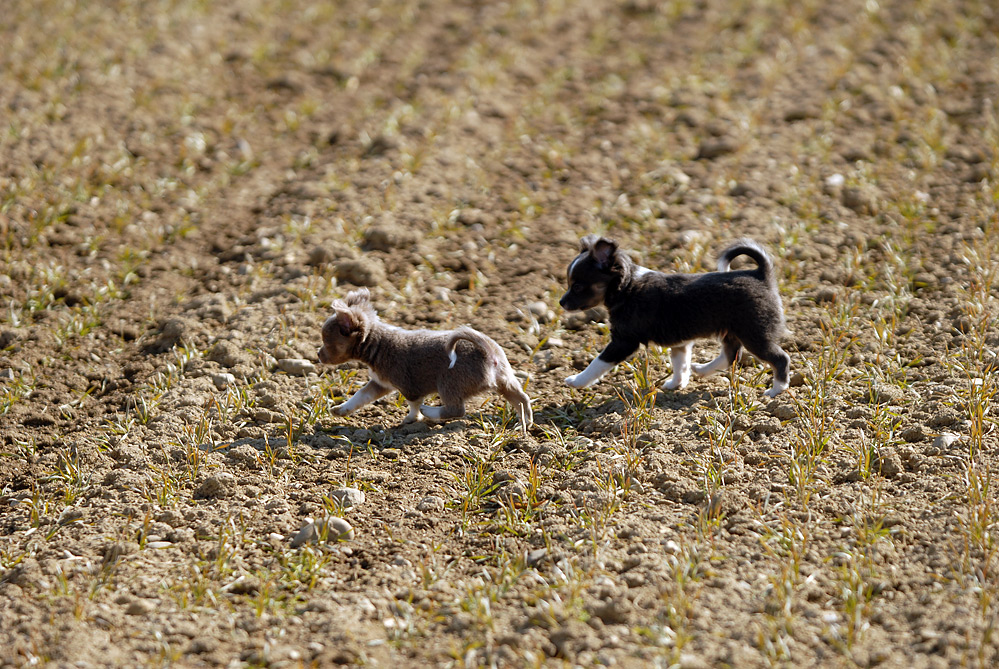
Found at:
<point>729,354</point>
<point>679,356</point>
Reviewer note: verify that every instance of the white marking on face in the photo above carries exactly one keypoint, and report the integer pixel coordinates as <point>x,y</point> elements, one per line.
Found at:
<point>573,264</point>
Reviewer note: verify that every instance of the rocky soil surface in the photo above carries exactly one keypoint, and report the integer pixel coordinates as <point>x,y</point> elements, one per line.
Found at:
<point>185,187</point>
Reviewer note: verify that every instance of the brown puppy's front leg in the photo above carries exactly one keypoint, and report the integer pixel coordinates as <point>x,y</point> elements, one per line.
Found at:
<point>371,391</point>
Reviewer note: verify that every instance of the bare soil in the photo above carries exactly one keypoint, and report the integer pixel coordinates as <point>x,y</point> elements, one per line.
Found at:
<point>186,186</point>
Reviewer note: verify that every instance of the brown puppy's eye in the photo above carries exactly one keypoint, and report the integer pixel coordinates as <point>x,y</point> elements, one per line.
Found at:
<point>577,288</point>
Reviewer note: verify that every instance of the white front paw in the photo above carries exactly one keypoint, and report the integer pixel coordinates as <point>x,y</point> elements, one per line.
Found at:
<point>574,381</point>
<point>676,383</point>
<point>341,409</point>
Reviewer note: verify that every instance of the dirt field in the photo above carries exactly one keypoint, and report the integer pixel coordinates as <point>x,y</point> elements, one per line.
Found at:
<point>186,186</point>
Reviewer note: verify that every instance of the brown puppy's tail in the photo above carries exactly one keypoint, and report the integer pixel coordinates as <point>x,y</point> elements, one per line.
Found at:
<point>488,346</point>
<point>748,247</point>
<point>506,382</point>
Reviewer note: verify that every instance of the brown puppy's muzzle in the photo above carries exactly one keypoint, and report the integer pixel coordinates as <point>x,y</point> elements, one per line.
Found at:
<point>324,357</point>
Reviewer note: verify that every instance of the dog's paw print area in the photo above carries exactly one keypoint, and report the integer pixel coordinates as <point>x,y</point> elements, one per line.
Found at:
<point>181,484</point>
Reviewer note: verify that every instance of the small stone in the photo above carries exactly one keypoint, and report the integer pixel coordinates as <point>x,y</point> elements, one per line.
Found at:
<point>361,271</point>
<point>244,585</point>
<point>691,661</point>
<point>430,503</point>
<point>913,433</point>
<point>783,411</point>
<point>227,354</point>
<point>70,514</point>
<point>614,611</point>
<point>296,366</point>
<point>140,607</point>
<point>860,200</point>
<point>267,416</point>
<point>766,425</point>
<point>8,337</point>
<point>395,453</point>
<point>714,148</point>
<point>203,644</point>
<point>887,462</point>
<point>245,455</point>
<point>944,418</point>
<point>334,527</point>
<point>541,312</point>
<point>222,484</point>
<point>801,113</point>
<point>172,332</point>
<point>388,237</point>
<point>535,557</point>
<point>945,440</point>
<point>826,295</point>
<point>347,497</point>
<point>886,394</point>
<point>223,380</point>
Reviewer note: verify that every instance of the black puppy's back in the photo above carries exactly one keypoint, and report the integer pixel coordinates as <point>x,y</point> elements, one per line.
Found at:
<point>669,309</point>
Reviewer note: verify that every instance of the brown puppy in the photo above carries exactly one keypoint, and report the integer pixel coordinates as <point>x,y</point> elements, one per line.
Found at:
<point>455,364</point>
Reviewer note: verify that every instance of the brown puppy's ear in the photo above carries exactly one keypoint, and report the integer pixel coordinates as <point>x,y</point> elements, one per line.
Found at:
<point>604,251</point>
<point>586,243</point>
<point>347,321</point>
<point>359,296</point>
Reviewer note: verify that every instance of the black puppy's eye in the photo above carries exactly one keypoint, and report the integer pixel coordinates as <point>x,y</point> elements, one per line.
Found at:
<point>577,288</point>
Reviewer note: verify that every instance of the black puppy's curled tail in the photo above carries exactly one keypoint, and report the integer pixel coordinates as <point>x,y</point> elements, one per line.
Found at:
<point>747,247</point>
<point>492,350</point>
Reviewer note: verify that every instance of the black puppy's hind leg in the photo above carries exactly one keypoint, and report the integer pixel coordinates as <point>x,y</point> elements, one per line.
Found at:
<point>770,352</point>
<point>777,358</point>
<point>729,353</point>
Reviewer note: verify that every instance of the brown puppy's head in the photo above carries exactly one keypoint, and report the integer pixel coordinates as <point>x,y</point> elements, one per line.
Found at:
<point>349,324</point>
<point>589,273</point>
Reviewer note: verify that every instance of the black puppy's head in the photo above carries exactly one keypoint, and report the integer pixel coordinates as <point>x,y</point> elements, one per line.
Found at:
<point>590,273</point>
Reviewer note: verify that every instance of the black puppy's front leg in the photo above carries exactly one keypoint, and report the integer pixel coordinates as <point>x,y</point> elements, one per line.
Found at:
<point>617,351</point>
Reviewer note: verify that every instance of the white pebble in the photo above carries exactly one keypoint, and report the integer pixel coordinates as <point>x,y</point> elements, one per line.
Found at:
<point>347,496</point>
<point>223,380</point>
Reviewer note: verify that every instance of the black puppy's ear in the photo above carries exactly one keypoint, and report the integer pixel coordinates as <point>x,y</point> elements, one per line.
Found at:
<point>586,243</point>
<point>359,296</point>
<point>603,252</point>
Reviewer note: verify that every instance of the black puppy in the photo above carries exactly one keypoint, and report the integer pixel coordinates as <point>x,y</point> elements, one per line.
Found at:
<point>742,308</point>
